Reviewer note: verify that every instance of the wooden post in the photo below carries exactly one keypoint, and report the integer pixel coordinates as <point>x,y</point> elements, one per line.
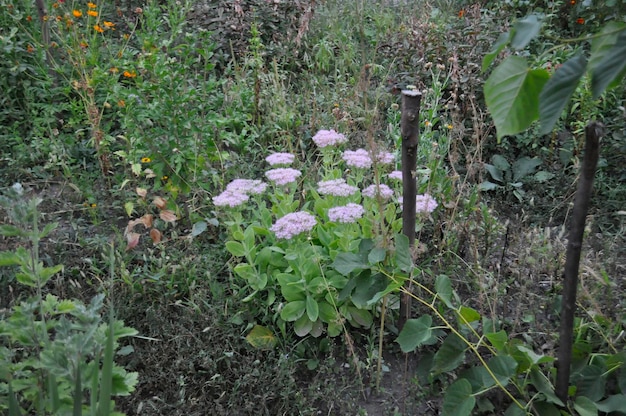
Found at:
<point>593,132</point>
<point>409,125</point>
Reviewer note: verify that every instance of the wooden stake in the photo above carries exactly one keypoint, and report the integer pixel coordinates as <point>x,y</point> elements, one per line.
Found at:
<point>593,132</point>
<point>409,125</point>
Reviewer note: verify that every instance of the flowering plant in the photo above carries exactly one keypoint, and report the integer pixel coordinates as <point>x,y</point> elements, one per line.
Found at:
<point>328,257</point>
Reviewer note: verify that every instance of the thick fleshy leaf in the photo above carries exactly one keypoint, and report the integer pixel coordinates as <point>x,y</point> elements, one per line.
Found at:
<point>525,30</point>
<point>414,333</point>
<point>607,63</point>
<point>558,91</point>
<point>303,326</point>
<point>524,166</point>
<point>293,310</point>
<point>312,308</point>
<point>512,95</point>
<point>458,400</point>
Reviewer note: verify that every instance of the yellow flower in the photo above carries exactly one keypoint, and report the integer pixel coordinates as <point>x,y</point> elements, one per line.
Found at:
<point>449,126</point>
<point>130,74</point>
<point>77,13</point>
<point>92,13</point>
<point>146,160</point>
<point>110,25</point>
<point>427,123</point>
<point>164,178</point>
<point>98,29</point>
<point>91,5</point>
<point>93,205</point>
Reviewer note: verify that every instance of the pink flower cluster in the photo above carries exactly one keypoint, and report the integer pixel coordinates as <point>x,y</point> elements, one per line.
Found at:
<point>325,138</point>
<point>238,191</point>
<point>280,159</point>
<point>381,190</point>
<point>396,174</point>
<point>384,158</point>
<point>293,224</point>
<point>346,214</point>
<point>424,204</point>
<point>359,158</point>
<point>336,187</point>
<point>283,176</point>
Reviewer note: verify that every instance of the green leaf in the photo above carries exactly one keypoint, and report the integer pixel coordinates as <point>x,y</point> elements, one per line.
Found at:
<point>291,286</point>
<point>293,310</point>
<point>512,95</point>
<point>558,90</point>
<point>443,287</point>
<point>303,326</point>
<point>377,255</point>
<point>198,228</point>
<point>328,313</point>
<point>345,263</point>
<point>607,63</point>
<point>614,403</point>
<point>503,39</point>
<point>235,248</point>
<point>12,231</point>
<point>312,308</point>
<point>415,332</point>
<point>367,287</point>
<point>533,357</point>
<point>403,256</point>
<point>592,382</point>
<point>545,409</point>
<point>501,164</point>
<point>524,166</point>
<point>497,339</point>
<point>262,338</point>
<point>495,173</point>
<point>488,186</point>
<point>503,367</point>
<point>525,30</point>
<point>450,355</point>
<point>8,258</point>
<point>468,314</point>
<point>458,399</point>
<point>585,407</point>
<point>543,385</point>
<point>361,317</point>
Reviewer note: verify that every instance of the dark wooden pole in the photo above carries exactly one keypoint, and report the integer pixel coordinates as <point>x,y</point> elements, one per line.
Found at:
<point>409,125</point>
<point>593,132</point>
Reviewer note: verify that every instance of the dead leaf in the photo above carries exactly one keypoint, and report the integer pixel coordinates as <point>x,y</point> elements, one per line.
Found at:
<point>141,192</point>
<point>168,215</point>
<point>155,235</point>
<point>133,239</point>
<point>159,202</point>
<point>146,220</point>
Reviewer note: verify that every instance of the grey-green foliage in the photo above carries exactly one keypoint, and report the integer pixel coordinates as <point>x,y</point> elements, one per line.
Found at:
<point>55,354</point>
<point>511,176</point>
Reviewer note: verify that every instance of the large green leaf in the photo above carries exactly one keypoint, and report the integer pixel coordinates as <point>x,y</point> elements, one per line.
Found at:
<point>503,367</point>
<point>607,63</point>
<point>458,400</point>
<point>524,166</point>
<point>558,91</point>
<point>293,310</point>
<point>585,407</point>
<point>512,95</point>
<point>450,355</point>
<point>443,286</point>
<point>414,333</point>
<point>615,403</point>
<point>403,256</point>
<point>542,384</point>
<point>525,30</point>
<point>497,339</point>
<point>497,47</point>
<point>345,263</point>
<point>312,308</point>
<point>592,383</point>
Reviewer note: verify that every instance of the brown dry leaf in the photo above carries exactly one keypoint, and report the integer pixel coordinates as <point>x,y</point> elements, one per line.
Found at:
<point>146,220</point>
<point>155,235</point>
<point>142,192</point>
<point>168,215</point>
<point>133,240</point>
<point>159,202</point>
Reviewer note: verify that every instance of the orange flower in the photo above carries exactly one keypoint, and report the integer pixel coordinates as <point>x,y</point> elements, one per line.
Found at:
<point>580,21</point>
<point>572,2</point>
<point>84,45</point>
<point>77,13</point>
<point>461,12</point>
<point>29,18</point>
<point>126,36</point>
<point>91,5</point>
<point>121,103</point>
<point>129,74</point>
<point>54,44</point>
<point>98,29</point>
<point>55,6</point>
<point>59,18</point>
<point>92,13</point>
<point>30,49</point>
<point>110,25</point>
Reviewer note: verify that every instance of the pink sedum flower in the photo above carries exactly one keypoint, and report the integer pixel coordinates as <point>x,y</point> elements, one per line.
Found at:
<point>424,204</point>
<point>280,159</point>
<point>336,187</point>
<point>230,199</point>
<point>325,138</point>
<point>384,158</point>
<point>396,174</point>
<point>247,186</point>
<point>359,158</point>
<point>346,214</point>
<point>293,224</point>
<point>381,190</point>
<point>283,176</point>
